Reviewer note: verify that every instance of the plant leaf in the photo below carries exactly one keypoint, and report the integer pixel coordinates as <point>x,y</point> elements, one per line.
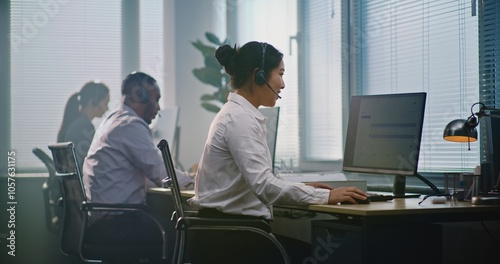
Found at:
<point>207,97</point>
<point>210,107</point>
<point>209,76</point>
<point>213,39</point>
<point>212,73</point>
<point>211,61</point>
<point>204,49</point>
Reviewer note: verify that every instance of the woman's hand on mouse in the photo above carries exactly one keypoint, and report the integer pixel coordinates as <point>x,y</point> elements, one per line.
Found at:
<point>346,194</point>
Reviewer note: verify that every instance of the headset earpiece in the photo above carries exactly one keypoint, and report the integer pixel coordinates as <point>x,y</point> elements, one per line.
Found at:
<point>143,96</point>
<point>261,76</point>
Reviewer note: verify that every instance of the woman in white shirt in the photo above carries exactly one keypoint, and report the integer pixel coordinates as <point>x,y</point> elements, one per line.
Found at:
<point>235,172</point>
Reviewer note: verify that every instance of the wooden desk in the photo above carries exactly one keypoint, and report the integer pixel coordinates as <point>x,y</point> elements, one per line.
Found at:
<point>397,231</point>
<point>463,211</point>
<point>408,210</point>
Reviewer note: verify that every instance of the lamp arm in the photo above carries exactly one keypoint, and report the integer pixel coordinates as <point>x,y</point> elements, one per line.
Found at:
<point>483,109</point>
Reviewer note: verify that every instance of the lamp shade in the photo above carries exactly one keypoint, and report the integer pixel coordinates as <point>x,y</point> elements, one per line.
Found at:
<point>456,132</point>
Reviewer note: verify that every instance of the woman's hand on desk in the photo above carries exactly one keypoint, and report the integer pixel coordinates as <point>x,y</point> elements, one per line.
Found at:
<point>346,194</point>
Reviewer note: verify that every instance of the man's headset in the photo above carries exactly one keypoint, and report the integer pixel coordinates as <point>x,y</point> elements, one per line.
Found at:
<point>143,97</point>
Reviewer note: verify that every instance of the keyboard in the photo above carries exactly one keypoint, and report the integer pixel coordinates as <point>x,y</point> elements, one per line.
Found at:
<point>376,197</point>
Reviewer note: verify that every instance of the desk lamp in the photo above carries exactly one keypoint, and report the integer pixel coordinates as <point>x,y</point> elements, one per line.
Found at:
<point>461,130</point>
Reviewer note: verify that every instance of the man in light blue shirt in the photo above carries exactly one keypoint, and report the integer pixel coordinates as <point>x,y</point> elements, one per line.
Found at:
<point>123,160</point>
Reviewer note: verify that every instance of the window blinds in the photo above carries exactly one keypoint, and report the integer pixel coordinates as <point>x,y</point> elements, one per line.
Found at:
<point>321,81</point>
<point>56,47</point>
<point>430,46</point>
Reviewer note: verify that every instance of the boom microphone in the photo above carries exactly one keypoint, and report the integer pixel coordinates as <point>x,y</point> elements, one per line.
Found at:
<point>279,97</point>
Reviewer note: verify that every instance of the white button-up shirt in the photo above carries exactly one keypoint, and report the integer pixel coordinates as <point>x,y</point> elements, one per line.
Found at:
<point>121,160</point>
<point>234,175</point>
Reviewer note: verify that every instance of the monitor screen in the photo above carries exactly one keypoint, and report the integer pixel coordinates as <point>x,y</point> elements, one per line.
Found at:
<point>384,133</point>
<point>164,126</point>
<point>491,145</point>
<point>272,114</point>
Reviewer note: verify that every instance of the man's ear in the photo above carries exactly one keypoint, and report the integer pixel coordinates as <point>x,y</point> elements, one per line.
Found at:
<point>135,94</point>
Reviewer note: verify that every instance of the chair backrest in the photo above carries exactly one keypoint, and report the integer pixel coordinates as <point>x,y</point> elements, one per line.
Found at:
<point>69,175</point>
<point>171,181</point>
<point>47,161</point>
<point>51,193</point>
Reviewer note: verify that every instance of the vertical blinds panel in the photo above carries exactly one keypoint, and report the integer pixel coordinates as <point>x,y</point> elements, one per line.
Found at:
<point>62,46</point>
<point>429,46</point>
<point>322,118</point>
<point>489,67</point>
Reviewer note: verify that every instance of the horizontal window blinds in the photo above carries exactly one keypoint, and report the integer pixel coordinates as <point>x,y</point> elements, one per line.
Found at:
<point>430,46</point>
<point>56,47</point>
<point>152,41</point>
<point>321,87</point>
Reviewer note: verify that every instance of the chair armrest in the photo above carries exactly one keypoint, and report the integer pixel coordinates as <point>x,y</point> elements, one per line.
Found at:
<point>188,222</point>
<point>114,207</point>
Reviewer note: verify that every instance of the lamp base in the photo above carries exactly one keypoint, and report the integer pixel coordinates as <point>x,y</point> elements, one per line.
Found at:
<point>486,199</point>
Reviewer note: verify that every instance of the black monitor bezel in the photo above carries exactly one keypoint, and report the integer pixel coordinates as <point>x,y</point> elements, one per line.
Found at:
<point>491,147</point>
<point>352,131</point>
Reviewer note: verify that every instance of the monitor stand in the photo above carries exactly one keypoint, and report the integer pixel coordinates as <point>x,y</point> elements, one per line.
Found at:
<point>399,186</point>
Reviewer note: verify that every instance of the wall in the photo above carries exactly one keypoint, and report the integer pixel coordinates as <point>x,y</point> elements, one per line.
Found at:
<point>193,119</point>
<point>33,242</point>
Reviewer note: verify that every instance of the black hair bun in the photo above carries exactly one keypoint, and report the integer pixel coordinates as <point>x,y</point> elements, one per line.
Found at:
<point>226,56</point>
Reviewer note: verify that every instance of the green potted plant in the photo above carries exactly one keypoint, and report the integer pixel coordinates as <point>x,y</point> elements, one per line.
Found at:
<point>212,73</point>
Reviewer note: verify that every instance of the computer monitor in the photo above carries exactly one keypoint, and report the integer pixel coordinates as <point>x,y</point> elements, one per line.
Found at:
<point>384,134</point>
<point>491,146</point>
<point>272,114</point>
<point>164,126</point>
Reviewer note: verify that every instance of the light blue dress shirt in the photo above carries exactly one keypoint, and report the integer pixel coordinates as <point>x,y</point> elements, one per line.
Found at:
<point>121,160</point>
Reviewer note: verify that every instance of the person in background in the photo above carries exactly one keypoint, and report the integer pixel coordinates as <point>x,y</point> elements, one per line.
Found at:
<point>234,177</point>
<point>121,163</point>
<point>82,107</point>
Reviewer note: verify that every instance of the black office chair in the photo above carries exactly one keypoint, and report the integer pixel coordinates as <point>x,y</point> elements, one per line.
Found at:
<point>188,220</point>
<point>76,208</point>
<point>51,193</point>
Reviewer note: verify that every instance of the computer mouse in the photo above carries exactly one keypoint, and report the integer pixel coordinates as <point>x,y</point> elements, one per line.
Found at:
<point>366,201</point>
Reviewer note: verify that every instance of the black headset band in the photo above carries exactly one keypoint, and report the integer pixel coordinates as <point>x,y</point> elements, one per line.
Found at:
<point>261,76</point>
<point>264,46</point>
